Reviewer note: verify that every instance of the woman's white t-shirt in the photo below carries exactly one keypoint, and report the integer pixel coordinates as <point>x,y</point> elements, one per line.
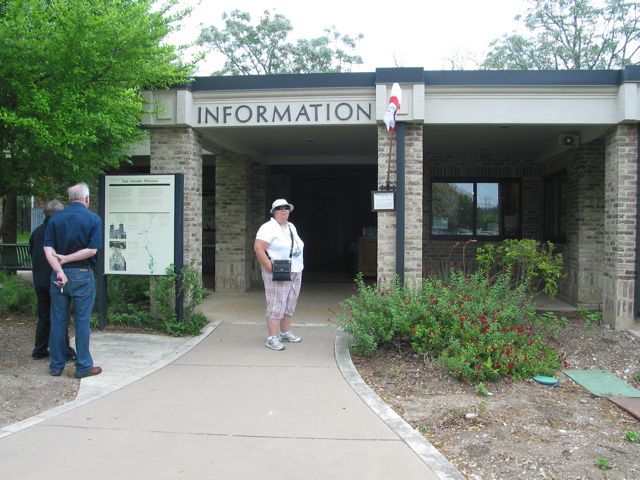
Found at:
<point>279,241</point>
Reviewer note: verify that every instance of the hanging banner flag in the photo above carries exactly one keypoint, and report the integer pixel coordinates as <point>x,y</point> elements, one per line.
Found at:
<point>394,105</point>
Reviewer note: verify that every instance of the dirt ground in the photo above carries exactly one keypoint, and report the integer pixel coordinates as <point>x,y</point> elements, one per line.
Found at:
<point>26,388</point>
<point>523,430</point>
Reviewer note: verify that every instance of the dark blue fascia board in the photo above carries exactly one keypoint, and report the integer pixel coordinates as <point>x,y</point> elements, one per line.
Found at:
<point>400,75</point>
<point>631,73</point>
<point>445,78</point>
<point>528,78</point>
<point>283,81</point>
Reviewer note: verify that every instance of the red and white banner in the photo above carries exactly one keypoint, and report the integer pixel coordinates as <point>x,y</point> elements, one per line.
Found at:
<point>394,105</point>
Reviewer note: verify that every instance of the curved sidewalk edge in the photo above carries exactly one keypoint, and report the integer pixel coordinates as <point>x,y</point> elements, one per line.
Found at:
<point>92,388</point>
<point>427,452</point>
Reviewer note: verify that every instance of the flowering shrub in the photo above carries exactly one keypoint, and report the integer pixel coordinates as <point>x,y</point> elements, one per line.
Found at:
<point>380,316</point>
<point>479,329</point>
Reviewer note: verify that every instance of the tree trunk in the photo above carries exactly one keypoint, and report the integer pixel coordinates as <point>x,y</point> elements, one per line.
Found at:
<point>9,230</point>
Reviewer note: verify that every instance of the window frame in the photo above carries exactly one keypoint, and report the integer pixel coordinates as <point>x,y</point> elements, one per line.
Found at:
<point>475,180</point>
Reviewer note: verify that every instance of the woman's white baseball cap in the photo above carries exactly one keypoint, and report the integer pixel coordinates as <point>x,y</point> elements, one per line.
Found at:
<point>279,203</point>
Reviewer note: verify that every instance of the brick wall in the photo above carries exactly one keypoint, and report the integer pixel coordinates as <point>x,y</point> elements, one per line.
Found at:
<point>439,255</point>
<point>619,269</point>
<point>591,225</point>
<point>568,284</point>
<point>234,254</point>
<point>413,206</point>
<point>386,220</point>
<point>179,150</point>
<point>583,250</point>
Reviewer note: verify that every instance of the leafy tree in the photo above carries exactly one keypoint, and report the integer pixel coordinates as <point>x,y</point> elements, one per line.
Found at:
<point>571,35</point>
<point>71,77</point>
<point>263,49</point>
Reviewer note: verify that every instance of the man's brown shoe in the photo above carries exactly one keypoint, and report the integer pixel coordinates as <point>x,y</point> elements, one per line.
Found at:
<point>89,373</point>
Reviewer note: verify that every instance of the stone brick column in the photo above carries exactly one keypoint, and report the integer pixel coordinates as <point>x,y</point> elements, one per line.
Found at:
<point>386,220</point>
<point>619,269</point>
<point>414,186</point>
<point>179,150</point>
<point>413,206</point>
<point>234,255</point>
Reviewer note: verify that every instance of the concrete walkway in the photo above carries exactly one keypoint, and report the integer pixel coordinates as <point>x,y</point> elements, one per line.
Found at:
<point>223,406</point>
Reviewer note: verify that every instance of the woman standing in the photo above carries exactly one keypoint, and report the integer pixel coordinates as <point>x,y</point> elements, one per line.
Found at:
<point>278,240</point>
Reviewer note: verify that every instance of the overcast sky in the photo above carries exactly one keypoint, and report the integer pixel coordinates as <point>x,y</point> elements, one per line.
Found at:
<point>421,33</point>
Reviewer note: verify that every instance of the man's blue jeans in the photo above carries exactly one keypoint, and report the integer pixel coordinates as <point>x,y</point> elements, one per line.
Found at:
<point>81,289</point>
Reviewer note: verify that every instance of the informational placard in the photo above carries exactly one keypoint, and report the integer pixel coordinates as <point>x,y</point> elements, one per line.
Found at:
<point>139,220</point>
<point>383,201</point>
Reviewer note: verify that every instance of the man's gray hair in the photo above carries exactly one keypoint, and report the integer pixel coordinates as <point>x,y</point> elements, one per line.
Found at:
<point>79,191</point>
<point>52,207</point>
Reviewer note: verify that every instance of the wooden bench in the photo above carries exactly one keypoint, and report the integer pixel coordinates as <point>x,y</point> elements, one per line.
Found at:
<point>15,256</point>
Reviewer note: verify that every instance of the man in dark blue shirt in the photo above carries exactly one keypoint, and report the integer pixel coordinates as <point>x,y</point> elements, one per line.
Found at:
<point>41,274</point>
<point>71,241</point>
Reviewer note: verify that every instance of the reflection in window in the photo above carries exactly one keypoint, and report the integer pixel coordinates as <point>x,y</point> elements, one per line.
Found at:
<point>483,209</point>
<point>488,215</point>
<point>452,209</point>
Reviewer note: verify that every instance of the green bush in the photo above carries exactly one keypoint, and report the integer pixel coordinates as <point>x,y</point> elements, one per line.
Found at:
<point>529,263</point>
<point>164,289</point>
<point>591,317</point>
<point>480,329</point>
<point>377,317</point>
<point>125,291</point>
<point>483,331</point>
<point>130,302</point>
<point>16,295</point>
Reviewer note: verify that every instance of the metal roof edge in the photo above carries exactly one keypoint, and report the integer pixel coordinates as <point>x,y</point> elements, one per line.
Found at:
<point>283,81</point>
<point>453,78</point>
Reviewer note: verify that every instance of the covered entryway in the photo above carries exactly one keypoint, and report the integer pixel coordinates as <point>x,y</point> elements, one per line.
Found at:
<point>327,172</point>
<point>551,154</point>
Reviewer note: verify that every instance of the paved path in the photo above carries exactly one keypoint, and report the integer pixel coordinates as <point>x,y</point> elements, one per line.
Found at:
<point>223,406</point>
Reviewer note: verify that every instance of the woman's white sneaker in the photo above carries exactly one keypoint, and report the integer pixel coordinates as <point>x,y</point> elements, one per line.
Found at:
<point>289,337</point>
<point>274,343</point>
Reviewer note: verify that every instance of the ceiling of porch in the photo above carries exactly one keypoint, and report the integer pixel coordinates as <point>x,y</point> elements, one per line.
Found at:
<point>358,144</point>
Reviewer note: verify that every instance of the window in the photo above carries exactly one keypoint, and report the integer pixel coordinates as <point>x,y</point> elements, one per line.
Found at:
<point>475,209</point>
<point>555,207</point>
